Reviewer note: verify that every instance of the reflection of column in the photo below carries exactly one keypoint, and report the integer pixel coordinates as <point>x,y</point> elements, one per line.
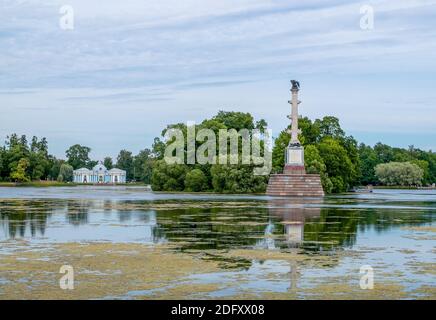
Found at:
<point>293,215</point>
<point>293,275</point>
<point>294,231</point>
<point>149,218</point>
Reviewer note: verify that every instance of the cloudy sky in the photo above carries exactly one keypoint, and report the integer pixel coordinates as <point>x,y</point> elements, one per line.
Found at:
<point>130,67</point>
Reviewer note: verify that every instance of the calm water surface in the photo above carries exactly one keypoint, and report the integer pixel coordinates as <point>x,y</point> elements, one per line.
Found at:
<point>376,223</point>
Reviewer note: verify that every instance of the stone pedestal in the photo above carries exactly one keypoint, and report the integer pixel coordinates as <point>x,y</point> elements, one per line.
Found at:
<point>294,182</point>
<point>290,169</point>
<point>294,160</point>
<point>295,185</point>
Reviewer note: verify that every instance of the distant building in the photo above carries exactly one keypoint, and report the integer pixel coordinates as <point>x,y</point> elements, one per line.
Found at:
<point>99,174</point>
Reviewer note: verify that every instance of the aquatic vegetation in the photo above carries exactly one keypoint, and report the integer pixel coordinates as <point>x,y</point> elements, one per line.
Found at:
<point>101,269</point>
<point>234,247</point>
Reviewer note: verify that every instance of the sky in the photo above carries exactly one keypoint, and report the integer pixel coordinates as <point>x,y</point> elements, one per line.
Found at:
<point>128,68</point>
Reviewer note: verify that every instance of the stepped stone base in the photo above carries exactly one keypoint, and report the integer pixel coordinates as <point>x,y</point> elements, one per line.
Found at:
<point>295,185</point>
<point>293,169</point>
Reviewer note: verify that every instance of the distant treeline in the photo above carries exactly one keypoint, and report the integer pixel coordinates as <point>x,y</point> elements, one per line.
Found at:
<point>338,158</point>
<point>23,161</point>
<point>343,163</point>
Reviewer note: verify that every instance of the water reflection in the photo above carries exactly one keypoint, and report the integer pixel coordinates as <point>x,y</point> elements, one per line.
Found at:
<point>17,217</point>
<point>316,225</point>
<point>293,217</point>
<point>77,212</point>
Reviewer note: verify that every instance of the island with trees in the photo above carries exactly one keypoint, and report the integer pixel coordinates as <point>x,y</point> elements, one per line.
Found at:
<point>340,160</point>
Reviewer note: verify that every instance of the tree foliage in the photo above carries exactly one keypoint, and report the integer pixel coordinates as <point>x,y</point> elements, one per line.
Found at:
<point>168,177</point>
<point>399,174</point>
<point>339,167</point>
<point>65,173</point>
<point>19,173</point>
<point>195,180</point>
<point>381,153</point>
<point>236,178</point>
<point>78,157</point>
<point>314,163</point>
<point>143,166</point>
<point>125,162</point>
<point>108,163</point>
<point>16,147</point>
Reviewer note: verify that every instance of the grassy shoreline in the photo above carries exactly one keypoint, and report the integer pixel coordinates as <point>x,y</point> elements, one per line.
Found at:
<point>44,184</point>
<point>37,184</point>
<point>403,188</point>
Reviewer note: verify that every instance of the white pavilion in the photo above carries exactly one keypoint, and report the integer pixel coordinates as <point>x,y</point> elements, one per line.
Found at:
<point>99,174</point>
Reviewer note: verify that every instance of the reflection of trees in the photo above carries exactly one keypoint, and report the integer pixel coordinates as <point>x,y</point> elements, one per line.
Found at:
<point>334,228</point>
<point>340,226</point>
<point>124,215</point>
<point>382,220</point>
<point>284,223</point>
<point>213,228</point>
<point>17,216</point>
<point>77,211</point>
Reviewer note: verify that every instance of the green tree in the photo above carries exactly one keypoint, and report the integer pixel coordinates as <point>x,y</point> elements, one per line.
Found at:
<point>399,174</point>
<point>39,160</point>
<point>235,120</point>
<point>221,178</point>
<point>237,179</point>
<point>158,148</point>
<point>65,173</point>
<point>424,165</point>
<point>107,162</point>
<point>339,166</point>
<point>278,152</point>
<point>168,177</point>
<point>55,167</point>
<point>368,161</point>
<point>78,156</point>
<point>315,164</point>
<point>16,149</point>
<point>383,152</point>
<point>430,157</point>
<point>195,181</point>
<point>19,173</point>
<point>329,127</point>
<point>310,132</point>
<point>2,155</point>
<point>261,125</point>
<point>125,162</point>
<point>143,166</point>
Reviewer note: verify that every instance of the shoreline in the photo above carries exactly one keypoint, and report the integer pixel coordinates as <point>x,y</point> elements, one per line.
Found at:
<point>45,184</point>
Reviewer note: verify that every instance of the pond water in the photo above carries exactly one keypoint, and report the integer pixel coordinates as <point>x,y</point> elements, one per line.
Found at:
<point>390,230</point>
